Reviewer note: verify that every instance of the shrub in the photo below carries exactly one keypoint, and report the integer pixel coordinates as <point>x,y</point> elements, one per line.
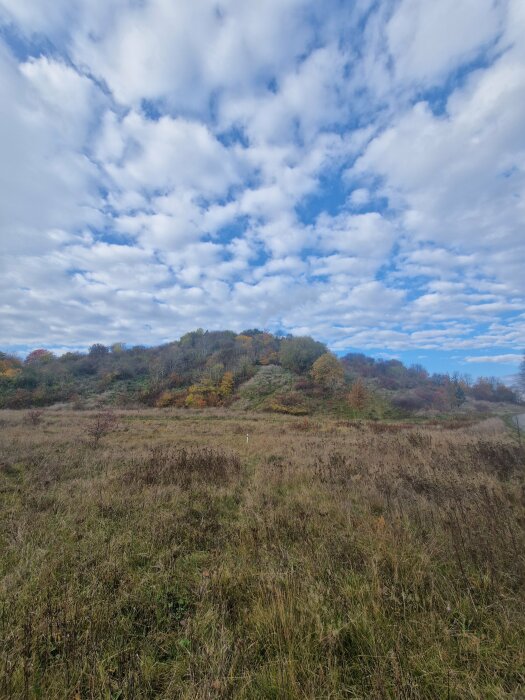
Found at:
<point>34,417</point>
<point>277,407</point>
<point>102,424</point>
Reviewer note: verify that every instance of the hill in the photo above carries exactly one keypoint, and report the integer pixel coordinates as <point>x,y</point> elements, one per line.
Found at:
<point>250,370</point>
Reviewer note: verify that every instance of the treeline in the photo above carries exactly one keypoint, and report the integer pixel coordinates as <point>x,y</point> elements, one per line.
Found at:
<point>205,368</point>
<point>413,388</point>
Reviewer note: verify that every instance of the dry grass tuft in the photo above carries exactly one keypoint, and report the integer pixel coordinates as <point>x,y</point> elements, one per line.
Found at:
<point>167,465</point>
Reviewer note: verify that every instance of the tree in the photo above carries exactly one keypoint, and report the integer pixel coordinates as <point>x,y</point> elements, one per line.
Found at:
<point>328,372</point>
<point>118,348</point>
<point>215,372</point>
<point>482,389</point>
<point>299,354</point>
<point>39,356</point>
<point>359,396</point>
<point>10,366</point>
<point>226,385</point>
<point>252,332</point>
<point>457,394</point>
<point>202,395</point>
<point>98,350</point>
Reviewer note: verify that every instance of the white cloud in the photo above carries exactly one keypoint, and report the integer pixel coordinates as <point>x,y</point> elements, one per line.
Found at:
<point>427,40</point>
<point>457,178</point>
<point>183,52</point>
<point>48,185</point>
<point>497,359</point>
<point>360,196</point>
<point>308,98</point>
<point>165,155</point>
<point>316,167</point>
<point>362,235</point>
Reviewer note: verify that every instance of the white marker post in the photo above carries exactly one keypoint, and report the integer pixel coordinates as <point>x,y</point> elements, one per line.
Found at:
<point>247,438</point>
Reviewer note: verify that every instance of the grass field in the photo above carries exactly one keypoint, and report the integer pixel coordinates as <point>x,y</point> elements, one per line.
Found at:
<point>169,556</point>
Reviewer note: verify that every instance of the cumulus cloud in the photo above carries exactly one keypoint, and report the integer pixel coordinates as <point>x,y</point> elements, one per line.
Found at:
<point>352,172</point>
<point>48,183</point>
<point>428,40</point>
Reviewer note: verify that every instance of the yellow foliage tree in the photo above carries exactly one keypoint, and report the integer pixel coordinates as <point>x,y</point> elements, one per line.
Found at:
<point>202,395</point>
<point>9,366</point>
<point>167,398</point>
<point>328,372</point>
<point>10,372</point>
<point>226,385</point>
<point>245,340</point>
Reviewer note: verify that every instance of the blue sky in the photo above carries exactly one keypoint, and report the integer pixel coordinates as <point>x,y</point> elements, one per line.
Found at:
<point>350,170</point>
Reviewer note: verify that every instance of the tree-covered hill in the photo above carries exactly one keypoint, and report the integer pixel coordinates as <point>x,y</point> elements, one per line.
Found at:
<point>253,369</point>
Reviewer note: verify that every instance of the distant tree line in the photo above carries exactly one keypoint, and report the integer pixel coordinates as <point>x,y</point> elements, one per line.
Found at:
<point>205,368</point>
<point>413,388</point>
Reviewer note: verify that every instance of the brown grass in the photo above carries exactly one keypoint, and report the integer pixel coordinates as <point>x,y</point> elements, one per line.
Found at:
<point>320,559</point>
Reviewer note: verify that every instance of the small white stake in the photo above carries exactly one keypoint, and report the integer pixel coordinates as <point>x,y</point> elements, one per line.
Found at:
<point>247,438</point>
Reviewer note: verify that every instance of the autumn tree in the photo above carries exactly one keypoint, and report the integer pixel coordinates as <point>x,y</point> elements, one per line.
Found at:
<point>359,396</point>
<point>10,366</point>
<point>328,372</point>
<point>226,385</point>
<point>204,394</point>
<point>39,356</point>
<point>118,348</point>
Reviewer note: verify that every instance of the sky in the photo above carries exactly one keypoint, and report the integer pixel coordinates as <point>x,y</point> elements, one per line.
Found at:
<point>350,170</point>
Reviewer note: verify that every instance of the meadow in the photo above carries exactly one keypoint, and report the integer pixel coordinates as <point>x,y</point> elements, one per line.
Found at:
<point>216,554</point>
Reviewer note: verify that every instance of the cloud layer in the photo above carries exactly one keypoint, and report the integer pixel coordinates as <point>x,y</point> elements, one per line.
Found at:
<point>356,173</point>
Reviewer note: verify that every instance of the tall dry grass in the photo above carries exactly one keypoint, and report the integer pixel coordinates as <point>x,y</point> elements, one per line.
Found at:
<point>169,558</point>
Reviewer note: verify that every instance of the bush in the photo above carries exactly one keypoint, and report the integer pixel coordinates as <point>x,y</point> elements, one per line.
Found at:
<point>172,398</point>
<point>275,407</point>
<point>102,424</point>
<point>34,417</point>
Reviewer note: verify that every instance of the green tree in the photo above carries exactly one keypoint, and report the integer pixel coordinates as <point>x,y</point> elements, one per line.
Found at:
<point>458,394</point>
<point>98,350</point>
<point>299,354</point>
<point>215,372</point>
